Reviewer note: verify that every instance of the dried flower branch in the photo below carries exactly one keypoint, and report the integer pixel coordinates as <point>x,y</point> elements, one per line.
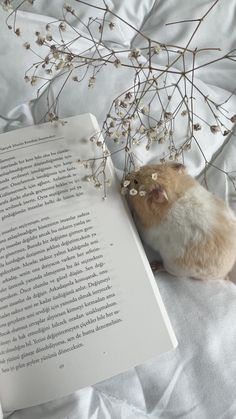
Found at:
<point>131,120</point>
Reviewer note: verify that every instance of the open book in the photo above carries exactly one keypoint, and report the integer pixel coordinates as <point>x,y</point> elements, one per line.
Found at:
<point>78,300</point>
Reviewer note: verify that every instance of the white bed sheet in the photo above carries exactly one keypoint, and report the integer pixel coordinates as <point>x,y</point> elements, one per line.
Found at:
<point>198,379</point>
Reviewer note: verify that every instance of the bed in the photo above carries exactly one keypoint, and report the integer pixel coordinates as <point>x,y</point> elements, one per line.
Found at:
<point>198,379</point>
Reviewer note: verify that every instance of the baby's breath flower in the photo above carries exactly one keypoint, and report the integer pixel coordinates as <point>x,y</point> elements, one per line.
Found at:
<point>26,45</point>
<point>168,115</point>
<point>128,95</point>
<point>121,114</point>
<point>88,178</point>
<point>133,192</point>
<point>18,32</point>
<point>52,116</point>
<point>156,48</point>
<point>75,78</point>
<point>6,5</point>
<point>99,143</point>
<point>68,8</point>
<point>111,25</point>
<point>106,153</point>
<point>49,37</point>
<point>115,136</point>
<point>27,79</point>
<point>60,65</point>
<point>134,53</point>
<point>187,146</point>
<point>92,81</point>
<point>142,129</point>
<point>123,104</point>
<point>142,193</point>
<point>126,183</point>
<point>34,80</point>
<point>177,156</point>
<point>40,40</point>
<point>214,129</point>
<point>145,110</point>
<point>183,113</point>
<point>62,26</point>
<point>197,127</point>
<point>117,63</point>
<point>98,185</point>
<point>161,140</point>
<point>233,119</point>
<point>154,176</point>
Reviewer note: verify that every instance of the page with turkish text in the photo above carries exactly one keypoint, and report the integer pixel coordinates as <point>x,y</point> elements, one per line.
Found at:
<point>78,300</point>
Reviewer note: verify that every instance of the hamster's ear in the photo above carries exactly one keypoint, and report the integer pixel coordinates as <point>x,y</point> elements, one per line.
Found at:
<point>158,195</point>
<point>179,167</point>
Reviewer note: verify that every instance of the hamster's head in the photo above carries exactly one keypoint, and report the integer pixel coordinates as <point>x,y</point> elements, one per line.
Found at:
<point>153,189</point>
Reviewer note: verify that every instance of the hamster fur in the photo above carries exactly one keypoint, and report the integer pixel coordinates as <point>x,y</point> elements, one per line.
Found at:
<point>193,230</point>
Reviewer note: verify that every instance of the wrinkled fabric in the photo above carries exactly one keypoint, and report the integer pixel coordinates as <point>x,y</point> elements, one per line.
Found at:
<point>198,379</point>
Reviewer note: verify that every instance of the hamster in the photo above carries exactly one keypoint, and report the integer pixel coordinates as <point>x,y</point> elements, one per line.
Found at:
<point>193,230</point>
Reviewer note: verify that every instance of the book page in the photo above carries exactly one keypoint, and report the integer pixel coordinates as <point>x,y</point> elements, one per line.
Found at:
<point>78,301</point>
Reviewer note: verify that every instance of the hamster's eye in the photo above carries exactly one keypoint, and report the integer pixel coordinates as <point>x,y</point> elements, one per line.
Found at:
<point>135,182</point>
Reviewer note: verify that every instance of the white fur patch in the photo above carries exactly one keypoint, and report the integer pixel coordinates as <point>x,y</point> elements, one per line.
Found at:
<point>190,218</point>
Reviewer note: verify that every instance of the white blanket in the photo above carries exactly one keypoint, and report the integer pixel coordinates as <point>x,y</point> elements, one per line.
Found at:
<point>198,379</point>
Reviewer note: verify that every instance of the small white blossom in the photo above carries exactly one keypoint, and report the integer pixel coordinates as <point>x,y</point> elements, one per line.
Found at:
<point>154,176</point>
<point>68,8</point>
<point>49,37</point>
<point>142,129</point>
<point>233,119</point>
<point>62,26</point>
<point>34,80</point>
<point>133,192</point>
<point>134,53</point>
<point>187,146</point>
<point>214,129</point>
<point>27,45</point>
<point>142,193</point>
<point>145,110</point>
<point>115,136</point>
<point>156,48</point>
<point>197,127</point>
<point>117,63</point>
<point>6,5</point>
<point>92,81</point>
<point>126,183</point>
<point>168,115</point>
